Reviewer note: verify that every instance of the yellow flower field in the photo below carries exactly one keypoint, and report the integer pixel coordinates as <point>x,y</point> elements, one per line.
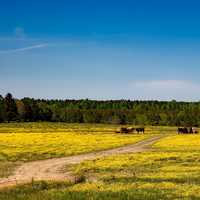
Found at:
<point>179,142</point>
<point>32,143</point>
<point>170,171</point>
<point>150,175</point>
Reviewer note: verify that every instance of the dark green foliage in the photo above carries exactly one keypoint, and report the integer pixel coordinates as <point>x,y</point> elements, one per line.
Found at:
<point>10,108</point>
<point>111,111</point>
<point>2,110</point>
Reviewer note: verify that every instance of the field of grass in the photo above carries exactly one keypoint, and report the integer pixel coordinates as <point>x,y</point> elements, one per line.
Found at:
<point>189,142</point>
<point>34,141</point>
<point>170,171</point>
<point>140,176</point>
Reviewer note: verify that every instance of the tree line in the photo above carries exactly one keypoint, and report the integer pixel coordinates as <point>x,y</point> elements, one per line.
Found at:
<point>170,113</point>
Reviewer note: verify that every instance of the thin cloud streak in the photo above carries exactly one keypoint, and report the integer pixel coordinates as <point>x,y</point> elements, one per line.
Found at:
<point>166,90</point>
<point>24,49</point>
<point>164,84</point>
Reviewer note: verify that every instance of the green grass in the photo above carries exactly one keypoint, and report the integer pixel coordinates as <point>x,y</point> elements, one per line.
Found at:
<point>168,172</point>
<point>33,191</point>
<point>165,173</point>
<point>36,141</point>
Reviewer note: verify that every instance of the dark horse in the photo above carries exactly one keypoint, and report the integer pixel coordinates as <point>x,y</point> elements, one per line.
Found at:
<point>186,130</point>
<point>140,130</point>
<point>182,130</point>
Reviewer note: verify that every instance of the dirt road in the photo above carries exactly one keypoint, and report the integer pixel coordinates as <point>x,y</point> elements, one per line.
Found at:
<point>51,169</point>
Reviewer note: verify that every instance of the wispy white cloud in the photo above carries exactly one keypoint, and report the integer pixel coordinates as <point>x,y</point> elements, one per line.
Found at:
<point>163,84</point>
<point>166,89</point>
<point>38,46</point>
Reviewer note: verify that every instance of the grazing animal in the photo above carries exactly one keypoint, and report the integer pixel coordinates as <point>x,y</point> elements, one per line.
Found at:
<point>122,130</point>
<point>183,130</point>
<point>190,130</point>
<point>140,130</point>
<point>187,130</point>
<point>180,130</point>
<point>130,129</point>
<point>125,130</point>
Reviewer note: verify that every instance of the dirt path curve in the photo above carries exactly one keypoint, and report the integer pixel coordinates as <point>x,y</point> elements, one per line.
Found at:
<point>51,169</point>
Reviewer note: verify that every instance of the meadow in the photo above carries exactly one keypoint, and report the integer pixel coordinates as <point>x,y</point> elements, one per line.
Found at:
<point>36,141</point>
<point>23,142</point>
<point>170,170</point>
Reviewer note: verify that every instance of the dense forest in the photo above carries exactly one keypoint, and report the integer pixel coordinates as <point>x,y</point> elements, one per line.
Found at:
<point>92,111</point>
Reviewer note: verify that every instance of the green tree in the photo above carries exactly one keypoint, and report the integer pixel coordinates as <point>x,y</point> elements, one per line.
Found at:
<point>10,108</point>
<point>2,109</point>
<point>21,110</point>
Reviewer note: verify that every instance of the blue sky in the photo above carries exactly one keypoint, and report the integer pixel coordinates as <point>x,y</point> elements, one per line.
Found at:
<point>100,49</point>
